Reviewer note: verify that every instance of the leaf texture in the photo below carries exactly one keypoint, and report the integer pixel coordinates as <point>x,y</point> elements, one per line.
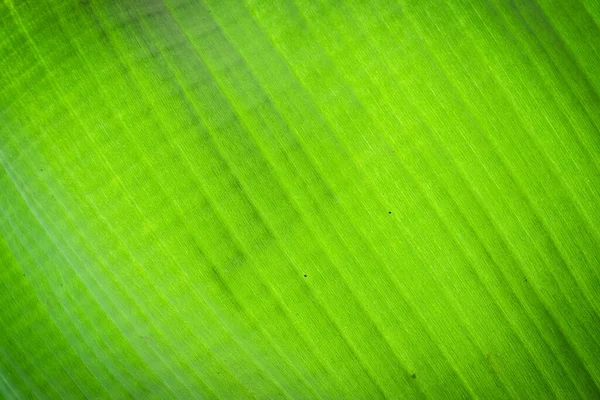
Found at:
<point>299,199</point>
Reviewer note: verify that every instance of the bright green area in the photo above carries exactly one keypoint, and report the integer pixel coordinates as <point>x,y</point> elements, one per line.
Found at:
<point>299,198</point>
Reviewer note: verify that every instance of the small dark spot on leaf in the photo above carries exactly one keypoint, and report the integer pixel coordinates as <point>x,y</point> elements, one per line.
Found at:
<point>525,279</point>
<point>389,212</point>
<point>305,275</point>
<point>147,339</point>
<point>414,376</point>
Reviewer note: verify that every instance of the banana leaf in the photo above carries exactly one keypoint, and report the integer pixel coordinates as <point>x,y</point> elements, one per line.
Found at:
<point>337,199</point>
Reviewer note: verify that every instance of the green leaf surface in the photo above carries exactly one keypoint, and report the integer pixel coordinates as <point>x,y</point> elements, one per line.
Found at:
<point>299,199</point>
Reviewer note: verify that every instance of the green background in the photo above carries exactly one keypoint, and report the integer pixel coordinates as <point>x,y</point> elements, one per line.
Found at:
<point>299,198</point>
